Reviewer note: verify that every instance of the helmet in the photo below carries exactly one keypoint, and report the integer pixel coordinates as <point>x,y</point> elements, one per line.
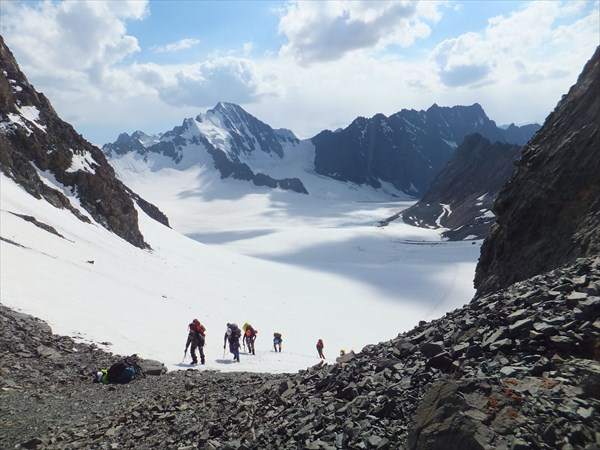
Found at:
<point>99,376</point>
<point>196,321</point>
<point>228,331</point>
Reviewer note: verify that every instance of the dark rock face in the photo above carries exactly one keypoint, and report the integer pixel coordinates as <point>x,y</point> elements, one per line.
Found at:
<point>407,149</point>
<point>515,369</point>
<point>548,213</point>
<point>461,196</point>
<point>33,136</point>
<point>241,171</point>
<point>125,144</point>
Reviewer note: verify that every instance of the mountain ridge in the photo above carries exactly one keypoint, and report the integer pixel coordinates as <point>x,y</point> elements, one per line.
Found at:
<point>461,196</point>
<point>50,160</point>
<point>227,135</point>
<point>406,149</point>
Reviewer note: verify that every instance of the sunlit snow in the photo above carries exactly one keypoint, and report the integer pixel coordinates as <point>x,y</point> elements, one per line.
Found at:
<point>307,266</point>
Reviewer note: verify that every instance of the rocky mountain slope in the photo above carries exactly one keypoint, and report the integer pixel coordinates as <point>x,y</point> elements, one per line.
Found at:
<point>407,149</point>
<point>50,160</point>
<point>517,369</point>
<point>548,214</point>
<point>461,196</point>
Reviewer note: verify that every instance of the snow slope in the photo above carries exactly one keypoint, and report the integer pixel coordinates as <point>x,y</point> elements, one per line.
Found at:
<point>309,266</point>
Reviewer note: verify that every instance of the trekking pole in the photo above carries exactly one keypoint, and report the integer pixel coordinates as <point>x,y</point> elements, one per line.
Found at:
<point>184,355</point>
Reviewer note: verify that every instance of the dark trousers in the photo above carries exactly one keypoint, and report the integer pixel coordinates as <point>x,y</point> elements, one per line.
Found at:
<point>193,353</point>
<point>250,344</point>
<point>234,348</point>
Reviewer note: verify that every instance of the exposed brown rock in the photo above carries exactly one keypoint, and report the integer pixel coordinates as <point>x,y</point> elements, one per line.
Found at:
<point>50,145</point>
<point>548,214</point>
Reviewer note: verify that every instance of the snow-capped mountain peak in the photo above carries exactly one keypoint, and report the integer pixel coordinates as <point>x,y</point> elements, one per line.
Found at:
<point>244,133</point>
<point>227,137</point>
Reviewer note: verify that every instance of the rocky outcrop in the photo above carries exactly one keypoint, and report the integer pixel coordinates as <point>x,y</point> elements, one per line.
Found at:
<point>515,369</point>
<point>461,196</point>
<point>548,213</point>
<point>47,157</point>
<point>407,149</point>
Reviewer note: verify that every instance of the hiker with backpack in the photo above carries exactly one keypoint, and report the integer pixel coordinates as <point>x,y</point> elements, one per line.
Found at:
<point>320,348</point>
<point>196,337</point>
<point>121,372</point>
<point>233,335</point>
<point>249,337</point>
<point>277,340</point>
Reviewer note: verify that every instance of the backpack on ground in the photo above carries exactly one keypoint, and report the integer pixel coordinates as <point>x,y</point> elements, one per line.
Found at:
<point>125,370</point>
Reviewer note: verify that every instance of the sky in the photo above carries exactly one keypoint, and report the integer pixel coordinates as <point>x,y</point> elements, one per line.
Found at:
<point>109,67</point>
<point>307,266</point>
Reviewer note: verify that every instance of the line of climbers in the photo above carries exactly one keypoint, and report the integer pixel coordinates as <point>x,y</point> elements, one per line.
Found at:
<point>197,338</point>
<point>129,369</point>
<point>233,333</point>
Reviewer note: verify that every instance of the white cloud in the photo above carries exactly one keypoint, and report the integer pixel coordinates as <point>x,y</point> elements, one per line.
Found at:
<point>73,36</point>
<point>326,31</point>
<point>181,44</point>
<point>226,78</point>
<point>527,46</point>
<point>77,51</point>
<point>80,55</point>
<point>458,60</point>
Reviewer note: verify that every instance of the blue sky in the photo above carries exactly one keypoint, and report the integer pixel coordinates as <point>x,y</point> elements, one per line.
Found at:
<point>110,66</point>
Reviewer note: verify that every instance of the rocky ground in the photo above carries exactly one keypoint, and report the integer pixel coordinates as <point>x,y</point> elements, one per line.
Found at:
<point>517,369</point>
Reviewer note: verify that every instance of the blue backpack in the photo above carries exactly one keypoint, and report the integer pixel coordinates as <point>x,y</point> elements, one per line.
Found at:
<point>123,372</point>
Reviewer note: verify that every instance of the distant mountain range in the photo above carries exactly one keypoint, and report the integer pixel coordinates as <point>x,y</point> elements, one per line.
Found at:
<point>407,149</point>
